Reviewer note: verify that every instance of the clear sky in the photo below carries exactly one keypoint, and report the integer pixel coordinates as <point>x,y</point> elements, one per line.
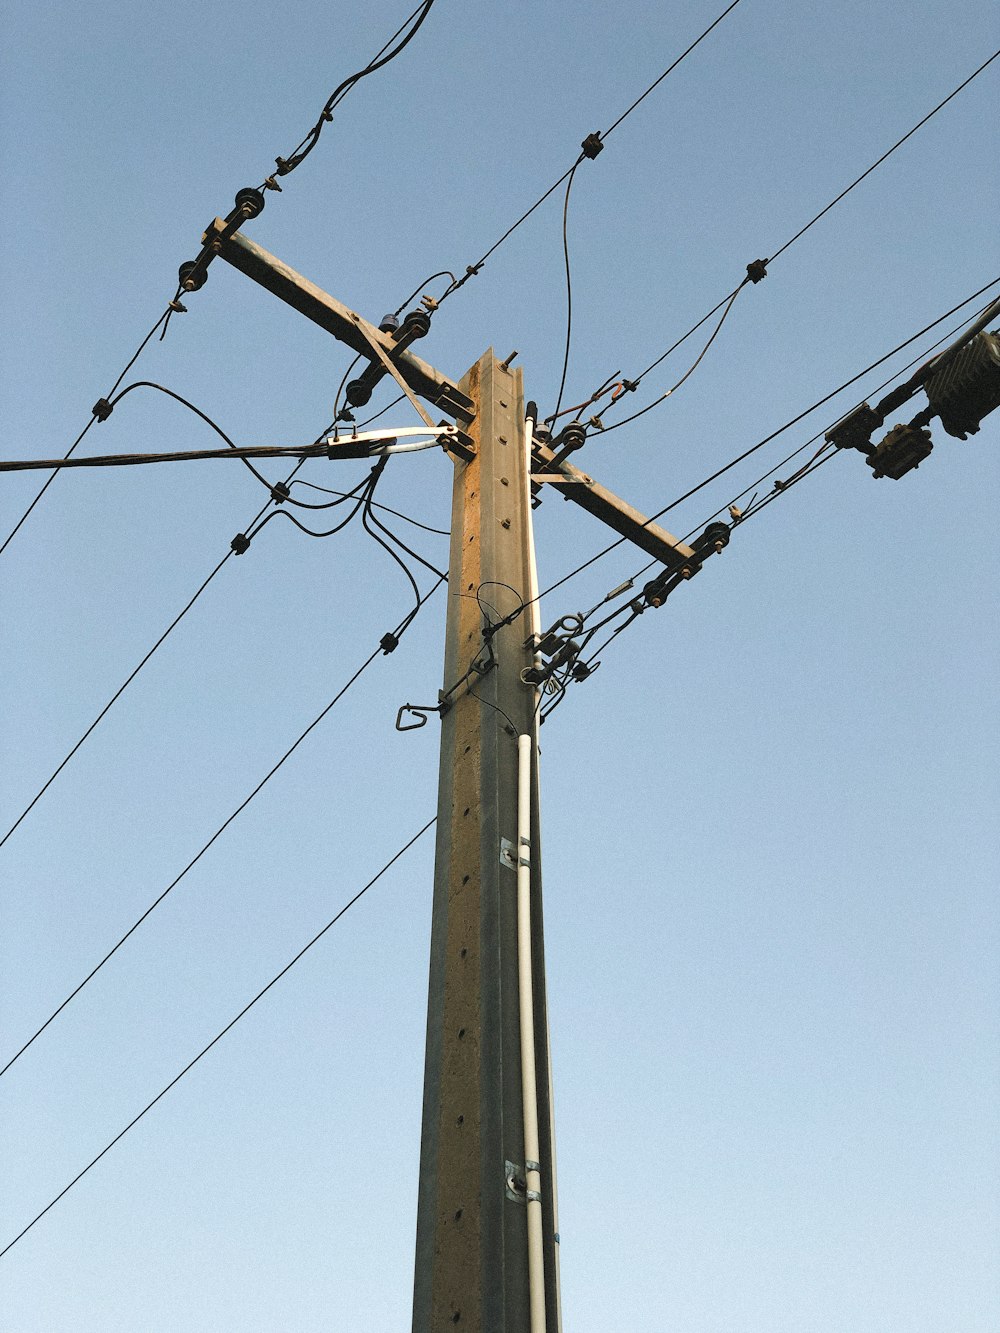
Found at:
<point>770,818</point>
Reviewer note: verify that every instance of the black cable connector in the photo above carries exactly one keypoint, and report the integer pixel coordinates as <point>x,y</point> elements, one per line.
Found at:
<point>102,409</point>
<point>757,270</point>
<point>592,145</point>
<point>388,643</point>
<point>279,492</point>
<point>240,543</point>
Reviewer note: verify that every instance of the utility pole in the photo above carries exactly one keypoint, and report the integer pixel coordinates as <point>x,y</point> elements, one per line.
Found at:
<point>472,1229</point>
<point>487,1243</point>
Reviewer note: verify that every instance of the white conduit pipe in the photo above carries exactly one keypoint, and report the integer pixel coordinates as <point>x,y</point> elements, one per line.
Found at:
<point>535,625</point>
<point>529,1095</point>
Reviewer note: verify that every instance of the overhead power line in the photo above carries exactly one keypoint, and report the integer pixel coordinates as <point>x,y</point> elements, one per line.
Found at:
<point>592,145</point>
<point>388,644</point>
<point>193,273</point>
<point>757,269</point>
<point>218,1036</point>
<point>772,436</point>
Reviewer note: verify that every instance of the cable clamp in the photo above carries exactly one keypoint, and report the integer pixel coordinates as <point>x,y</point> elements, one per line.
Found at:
<point>388,643</point>
<point>757,270</point>
<point>240,543</point>
<point>177,307</point>
<point>279,492</point>
<point>592,145</point>
<point>102,409</point>
<point>532,1166</point>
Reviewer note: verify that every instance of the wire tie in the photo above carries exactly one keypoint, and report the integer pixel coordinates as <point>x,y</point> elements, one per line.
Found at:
<point>102,409</point>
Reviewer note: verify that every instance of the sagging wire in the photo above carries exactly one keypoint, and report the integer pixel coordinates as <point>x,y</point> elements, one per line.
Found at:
<point>569,287</point>
<point>397,513</point>
<point>629,386</point>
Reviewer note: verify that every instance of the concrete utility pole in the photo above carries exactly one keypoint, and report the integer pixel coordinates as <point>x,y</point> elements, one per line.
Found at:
<point>487,1247</point>
<point>472,1234</point>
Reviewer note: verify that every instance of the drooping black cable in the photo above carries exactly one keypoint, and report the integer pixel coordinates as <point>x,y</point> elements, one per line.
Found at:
<point>728,303</point>
<point>440,532</point>
<point>219,1035</point>
<point>95,415</point>
<point>150,384</point>
<point>193,862</point>
<point>569,289</point>
<point>287,165</point>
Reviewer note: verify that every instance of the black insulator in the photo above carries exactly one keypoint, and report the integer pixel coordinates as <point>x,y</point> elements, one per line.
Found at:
<point>715,537</point>
<point>757,270</point>
<point>572,437</point>
<point>389,324</point>
<point>191,276</point>
<point>251,202</point>
<point>102,409</point>
<point>417,324</point>
<point>592,145</point>
<point>240,543</point>
<point>357,393</point>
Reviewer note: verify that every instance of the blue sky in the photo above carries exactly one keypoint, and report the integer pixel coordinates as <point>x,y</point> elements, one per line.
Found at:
<point>769,820</point>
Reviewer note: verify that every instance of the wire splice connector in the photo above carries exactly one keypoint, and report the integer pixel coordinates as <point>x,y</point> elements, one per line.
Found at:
<point>592,145</point>
<point>102,409</point>
<point>240,543</point>
<point>757,270</point>
<point>388,643</point>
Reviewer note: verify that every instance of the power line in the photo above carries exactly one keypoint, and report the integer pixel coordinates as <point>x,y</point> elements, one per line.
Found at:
<point>757,269</point>
<point>592,146</point>
<point>245,209</point>
<point>218,1037</point>
<point>95,416</point>
<point>131,677</point>
<point>559,681</point>
<point>773,435</point>
<point>394,638</point>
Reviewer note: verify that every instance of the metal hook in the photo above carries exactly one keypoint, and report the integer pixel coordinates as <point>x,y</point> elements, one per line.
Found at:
<point>419,711</point>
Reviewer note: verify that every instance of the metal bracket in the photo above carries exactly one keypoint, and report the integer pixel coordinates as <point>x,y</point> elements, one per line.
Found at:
<point>514,1182</point>
<point>507,856</point>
